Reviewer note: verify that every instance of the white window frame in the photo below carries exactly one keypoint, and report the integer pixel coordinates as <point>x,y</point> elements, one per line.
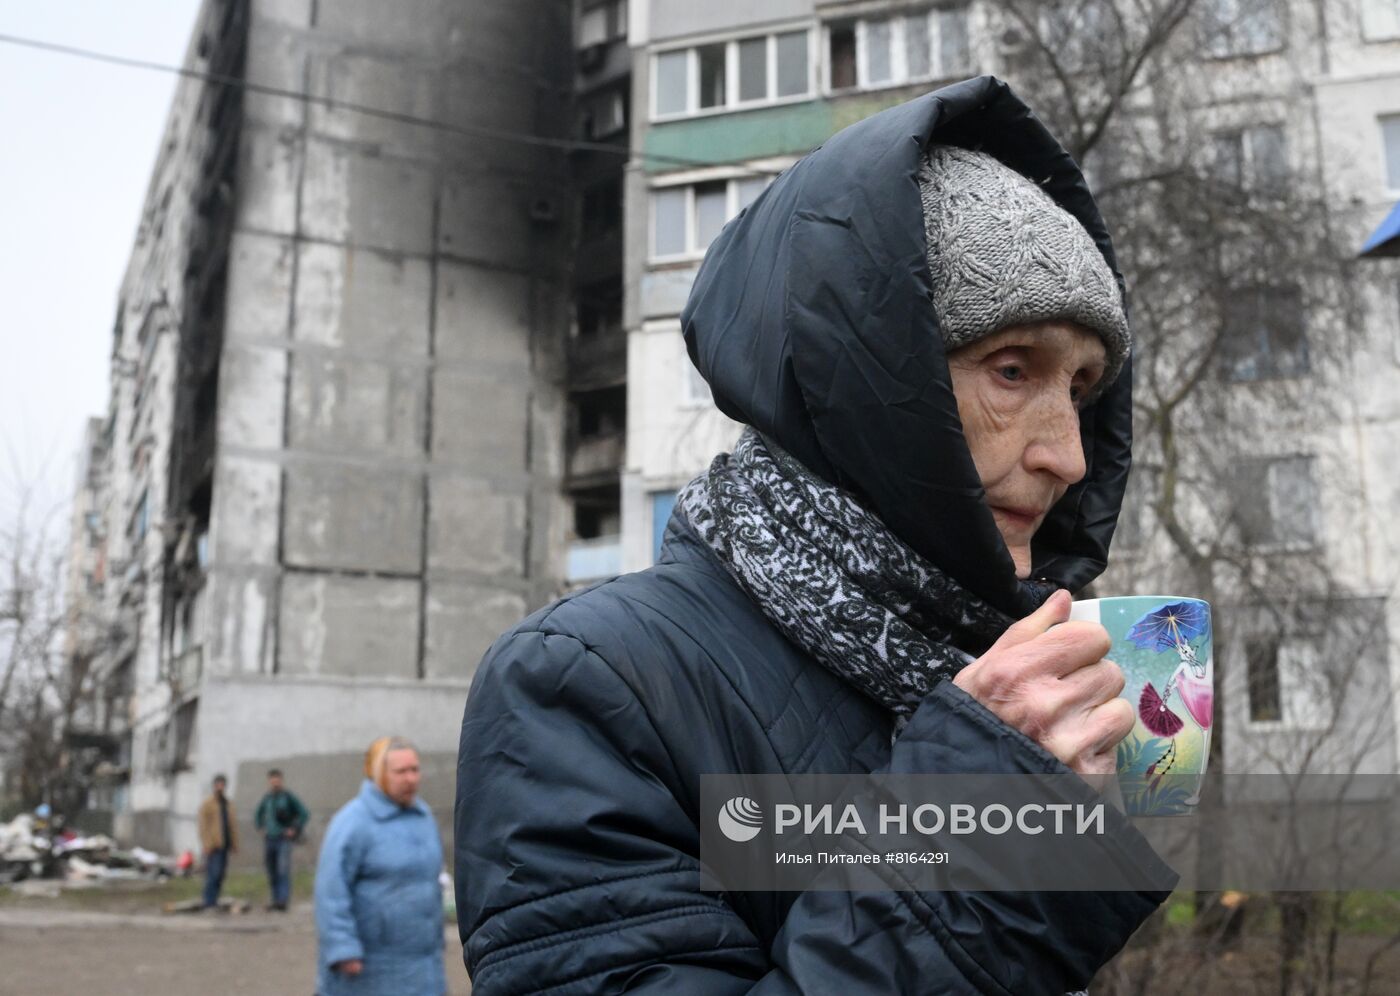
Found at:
<point>731,73</point>
<point>731,179</point>
<point>899,52</point>
<point>1392,118</point>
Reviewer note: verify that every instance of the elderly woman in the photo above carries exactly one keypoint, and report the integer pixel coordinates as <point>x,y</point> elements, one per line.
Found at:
<point>921,327</point>
<point>378,901</point>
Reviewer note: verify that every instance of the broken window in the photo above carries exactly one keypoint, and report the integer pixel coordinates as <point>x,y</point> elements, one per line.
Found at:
<point>604,115</point>
<point>843,56</point>
<point>602,208</point>
<point>712,75</point>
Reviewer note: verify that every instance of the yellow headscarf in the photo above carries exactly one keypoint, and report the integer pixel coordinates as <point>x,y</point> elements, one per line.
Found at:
<point>376,759</point>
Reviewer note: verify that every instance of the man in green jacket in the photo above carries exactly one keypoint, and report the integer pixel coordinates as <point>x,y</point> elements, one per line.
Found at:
<point>280,817</point>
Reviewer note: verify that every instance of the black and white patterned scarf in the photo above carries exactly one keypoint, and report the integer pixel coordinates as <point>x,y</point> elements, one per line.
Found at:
<point>833,578</point>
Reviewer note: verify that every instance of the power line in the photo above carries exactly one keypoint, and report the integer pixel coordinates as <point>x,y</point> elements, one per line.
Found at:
<point>331,103</point>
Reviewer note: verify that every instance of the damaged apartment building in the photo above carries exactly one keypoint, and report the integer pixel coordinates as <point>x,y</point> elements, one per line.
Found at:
<point>368,390</point>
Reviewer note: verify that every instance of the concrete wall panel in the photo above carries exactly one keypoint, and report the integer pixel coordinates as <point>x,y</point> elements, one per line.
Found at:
<point>420,26</point>
<point>276,58</point>
<point>483,316</point>
<point>487,217</point>
<point>366,200</point>
<point>293,13</point>
<point>341,405</point>
<point>355,518</point>
<point>269,161</point>
<point>244,526</point>
<point>398,85</point>
<point>251,385</point>
<point>473,527</point>
<point>463,621</point>
<point>353,626</point>
<point>480,420</point>
<point>240,636</point>
<point>259,286</point>
<point>363,301</point>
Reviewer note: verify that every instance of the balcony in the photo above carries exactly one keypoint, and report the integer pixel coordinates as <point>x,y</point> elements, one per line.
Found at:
<point>187,669</point>
<point>596,459</point>
<point>591,559</point>
<point>598,360</point>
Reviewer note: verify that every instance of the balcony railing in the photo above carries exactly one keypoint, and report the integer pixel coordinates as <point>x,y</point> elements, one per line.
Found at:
<point>591,559</point>
<point>596,457</point>
<point>187,669</point>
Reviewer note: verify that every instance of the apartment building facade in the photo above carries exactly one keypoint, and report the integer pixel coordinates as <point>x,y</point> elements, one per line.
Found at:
<point>728,94</point>
<point>334,464</point>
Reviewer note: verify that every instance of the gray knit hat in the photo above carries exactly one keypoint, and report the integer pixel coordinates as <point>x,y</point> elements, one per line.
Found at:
<point>1002,253</point>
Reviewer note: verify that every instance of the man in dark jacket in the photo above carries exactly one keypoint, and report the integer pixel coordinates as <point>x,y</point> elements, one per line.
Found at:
<point>931,355</point>
<point>281,817</point>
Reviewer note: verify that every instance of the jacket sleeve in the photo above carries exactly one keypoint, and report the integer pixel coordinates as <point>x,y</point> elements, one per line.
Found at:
<point>260,816</point>
<point>300,814</point>
<point>336,873</point>
<point>577,866</point>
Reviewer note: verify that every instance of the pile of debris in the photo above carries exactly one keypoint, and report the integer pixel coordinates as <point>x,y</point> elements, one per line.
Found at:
<point>33,846</point>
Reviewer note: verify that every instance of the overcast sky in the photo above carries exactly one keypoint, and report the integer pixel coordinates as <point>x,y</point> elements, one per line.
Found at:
<point>79,140</point>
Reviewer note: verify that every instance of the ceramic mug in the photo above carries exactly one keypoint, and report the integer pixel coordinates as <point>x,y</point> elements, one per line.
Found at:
<point>1163,644</point>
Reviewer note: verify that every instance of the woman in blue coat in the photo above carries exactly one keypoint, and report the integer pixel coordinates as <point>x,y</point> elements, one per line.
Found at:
<point>378,902</point>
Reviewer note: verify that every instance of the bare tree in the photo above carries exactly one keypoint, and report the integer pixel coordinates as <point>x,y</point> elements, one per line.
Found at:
<point>41,688</point>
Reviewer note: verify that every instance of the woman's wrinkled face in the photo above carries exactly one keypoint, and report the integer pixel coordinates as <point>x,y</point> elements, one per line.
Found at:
<point>1019,392</point>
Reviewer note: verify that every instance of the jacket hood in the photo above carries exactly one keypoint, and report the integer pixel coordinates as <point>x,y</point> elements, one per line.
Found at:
<point>812,320</point>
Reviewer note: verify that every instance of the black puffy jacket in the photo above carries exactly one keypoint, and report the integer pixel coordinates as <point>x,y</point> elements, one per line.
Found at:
<point>589,724</point>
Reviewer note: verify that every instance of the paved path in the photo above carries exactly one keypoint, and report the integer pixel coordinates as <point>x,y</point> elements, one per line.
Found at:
<point>73,953</point>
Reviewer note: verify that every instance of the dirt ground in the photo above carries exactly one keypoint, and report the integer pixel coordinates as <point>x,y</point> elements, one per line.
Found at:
<point>66,952</point>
